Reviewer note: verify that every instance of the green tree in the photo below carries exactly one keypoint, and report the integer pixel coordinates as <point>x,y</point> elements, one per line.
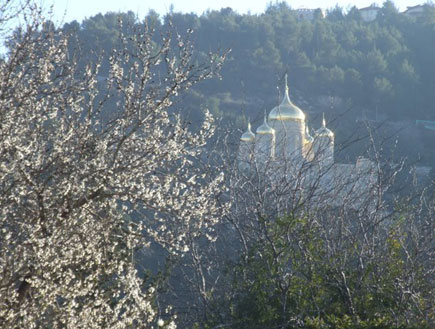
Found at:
<point>293,279</point>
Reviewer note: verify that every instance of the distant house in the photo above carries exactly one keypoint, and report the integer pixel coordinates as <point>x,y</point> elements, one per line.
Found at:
<point>415,11</point>
<point>309,14</point>
<point>369,14</point>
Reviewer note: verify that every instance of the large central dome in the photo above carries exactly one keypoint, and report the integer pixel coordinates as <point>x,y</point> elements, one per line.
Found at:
<point>286,110</point>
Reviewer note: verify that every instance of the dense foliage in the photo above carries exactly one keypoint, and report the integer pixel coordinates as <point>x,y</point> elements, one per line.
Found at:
<point>341,65</point>
<point>386,64</point>
<point>297,279</point>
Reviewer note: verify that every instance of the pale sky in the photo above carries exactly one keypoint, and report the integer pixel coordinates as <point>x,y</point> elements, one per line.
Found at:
<point>80,9</point>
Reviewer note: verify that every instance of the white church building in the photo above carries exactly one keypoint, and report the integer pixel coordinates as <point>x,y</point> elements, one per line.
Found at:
<point>283,147</point>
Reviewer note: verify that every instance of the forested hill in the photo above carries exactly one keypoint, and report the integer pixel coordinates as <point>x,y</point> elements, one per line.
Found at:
<point>387,65</point>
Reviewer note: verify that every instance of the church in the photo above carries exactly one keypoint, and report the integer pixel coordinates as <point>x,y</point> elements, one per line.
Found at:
<point>282,147</point>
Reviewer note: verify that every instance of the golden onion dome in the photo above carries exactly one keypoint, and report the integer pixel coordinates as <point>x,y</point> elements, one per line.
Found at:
<point>265,129</point>
<point>323,131</point>
<point>248,135</point>
<point>286,110</point>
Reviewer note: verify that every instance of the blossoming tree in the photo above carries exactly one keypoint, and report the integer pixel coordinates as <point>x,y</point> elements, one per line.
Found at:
<point>92,170</point>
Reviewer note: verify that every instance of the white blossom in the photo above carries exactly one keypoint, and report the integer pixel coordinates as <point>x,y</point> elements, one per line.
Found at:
<point>81,193</point>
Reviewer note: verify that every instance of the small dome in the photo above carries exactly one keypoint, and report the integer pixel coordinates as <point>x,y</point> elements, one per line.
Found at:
<point>323,131</point>
<point>286,110</point>
<point>308,137</point>
<point>248,136</point>
<point>265,129</point>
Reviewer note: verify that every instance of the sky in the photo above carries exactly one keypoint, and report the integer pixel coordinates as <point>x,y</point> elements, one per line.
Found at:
<point>68,10</point>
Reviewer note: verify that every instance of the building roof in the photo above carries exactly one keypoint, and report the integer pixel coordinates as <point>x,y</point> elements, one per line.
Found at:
<point>265,129</point>
<point>372,7</point>
<point>286,110</point>
<point>308,137</point>
<point>323,131</point>
<point>248,135</point>
<point>414,7</point>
